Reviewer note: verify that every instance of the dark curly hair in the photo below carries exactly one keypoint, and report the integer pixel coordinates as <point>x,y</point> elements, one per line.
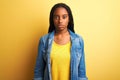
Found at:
<point>71,22</point>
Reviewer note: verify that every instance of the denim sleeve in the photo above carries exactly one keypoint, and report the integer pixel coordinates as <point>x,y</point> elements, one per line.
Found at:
<point>40,63</point>
<point>81,68</point>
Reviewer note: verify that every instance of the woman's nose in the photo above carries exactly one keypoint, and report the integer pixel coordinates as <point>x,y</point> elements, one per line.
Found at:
<point>60,20</point>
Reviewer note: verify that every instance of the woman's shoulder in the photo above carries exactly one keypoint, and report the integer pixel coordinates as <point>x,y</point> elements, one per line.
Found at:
<point>78,36</point>
<point>44,37</point>
<point>75,35</point>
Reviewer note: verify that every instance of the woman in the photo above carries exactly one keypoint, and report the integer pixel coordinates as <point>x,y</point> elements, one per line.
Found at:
<point>61,51</point>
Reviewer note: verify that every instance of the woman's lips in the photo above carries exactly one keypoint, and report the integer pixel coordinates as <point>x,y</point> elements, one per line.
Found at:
<point>60,25</point>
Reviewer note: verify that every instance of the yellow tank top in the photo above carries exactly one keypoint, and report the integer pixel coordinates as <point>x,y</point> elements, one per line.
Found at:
<point>60,61</point>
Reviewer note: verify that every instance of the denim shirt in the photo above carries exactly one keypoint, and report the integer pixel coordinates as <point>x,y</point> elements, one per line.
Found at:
<point>77,61</point>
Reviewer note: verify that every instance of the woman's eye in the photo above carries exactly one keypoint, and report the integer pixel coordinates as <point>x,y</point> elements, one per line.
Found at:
<point>60,17</point>
<point>56,17</point>
<point>64,17</point>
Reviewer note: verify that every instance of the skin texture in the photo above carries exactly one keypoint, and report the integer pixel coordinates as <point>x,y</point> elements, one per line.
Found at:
<point>61,20</point>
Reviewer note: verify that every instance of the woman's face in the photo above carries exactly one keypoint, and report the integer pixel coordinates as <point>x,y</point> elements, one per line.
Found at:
<point>60,19</point>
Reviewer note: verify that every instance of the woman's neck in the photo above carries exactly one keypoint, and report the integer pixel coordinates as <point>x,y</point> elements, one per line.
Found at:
<point>62,37</point>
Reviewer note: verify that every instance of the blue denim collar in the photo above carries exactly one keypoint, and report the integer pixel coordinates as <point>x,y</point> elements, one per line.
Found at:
<point>51,36</point>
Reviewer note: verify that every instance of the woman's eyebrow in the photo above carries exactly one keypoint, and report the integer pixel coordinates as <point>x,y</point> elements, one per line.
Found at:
<point>65,14</point>
<point>58,15</point>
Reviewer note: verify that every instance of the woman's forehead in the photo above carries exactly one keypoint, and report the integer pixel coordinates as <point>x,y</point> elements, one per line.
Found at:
<point>60,10</point>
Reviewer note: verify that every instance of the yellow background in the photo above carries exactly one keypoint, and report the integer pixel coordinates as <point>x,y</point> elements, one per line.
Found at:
<point>23,22</point>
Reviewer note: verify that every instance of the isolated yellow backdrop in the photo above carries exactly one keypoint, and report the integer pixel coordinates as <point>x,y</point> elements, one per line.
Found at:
<point>23,22</point>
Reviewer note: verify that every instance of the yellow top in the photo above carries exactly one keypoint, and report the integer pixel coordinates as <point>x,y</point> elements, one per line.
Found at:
<point>60,61</point>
